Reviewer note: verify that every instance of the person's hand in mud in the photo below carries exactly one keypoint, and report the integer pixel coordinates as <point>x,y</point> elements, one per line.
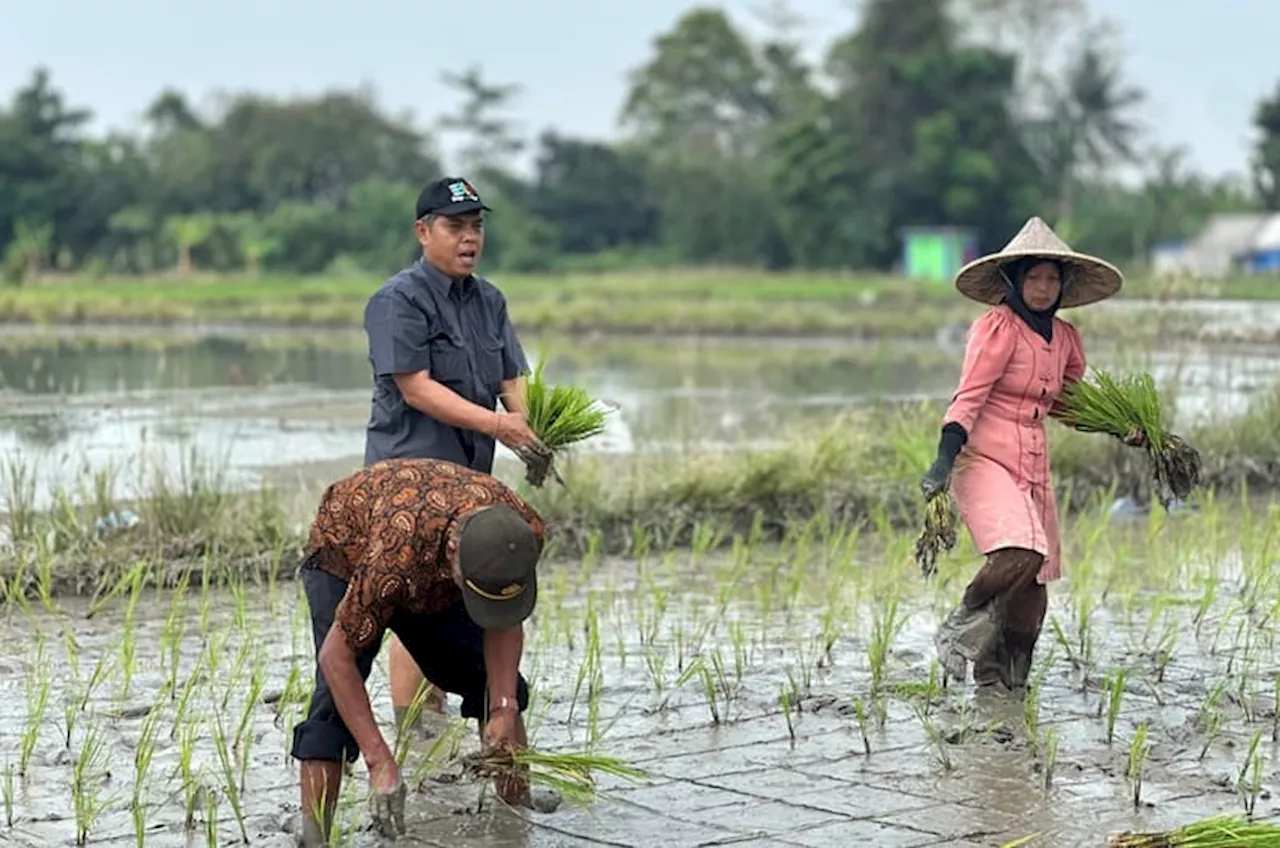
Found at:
<point>386,798</point>
<point>1136,438</point>
<point>505,733</point>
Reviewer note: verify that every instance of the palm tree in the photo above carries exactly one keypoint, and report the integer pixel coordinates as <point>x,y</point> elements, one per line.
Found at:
<point>1089,127</point>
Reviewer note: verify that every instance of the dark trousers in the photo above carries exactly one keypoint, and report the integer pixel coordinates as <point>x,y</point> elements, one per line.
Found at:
<point>1008,578</point>
<point>448,646</point>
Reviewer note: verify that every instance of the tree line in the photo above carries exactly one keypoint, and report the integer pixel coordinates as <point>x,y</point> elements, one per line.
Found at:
<point>734,151</point>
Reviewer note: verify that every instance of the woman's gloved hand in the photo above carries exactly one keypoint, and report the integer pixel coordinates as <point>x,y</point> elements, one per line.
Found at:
<point>938,477</point>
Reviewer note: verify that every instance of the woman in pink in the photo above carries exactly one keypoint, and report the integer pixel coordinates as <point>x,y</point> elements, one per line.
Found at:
<point>1018,357</point>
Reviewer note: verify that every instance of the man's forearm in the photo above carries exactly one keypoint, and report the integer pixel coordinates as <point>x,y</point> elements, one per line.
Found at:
<point>502,651</point>
<point>350,698</point>
<point>445,405</point>
<point>513,395</point>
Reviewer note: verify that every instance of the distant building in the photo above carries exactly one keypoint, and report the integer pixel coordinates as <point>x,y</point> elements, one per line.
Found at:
<point>1228,244</point>
<point>937,253</point>
<point>1263,256</point>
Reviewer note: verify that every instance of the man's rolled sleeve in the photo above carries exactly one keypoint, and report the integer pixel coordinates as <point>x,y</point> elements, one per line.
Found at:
<point>514,362</point>
<point>398,333</point>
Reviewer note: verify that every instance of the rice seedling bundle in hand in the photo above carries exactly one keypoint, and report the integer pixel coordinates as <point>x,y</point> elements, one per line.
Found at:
<point>938,533</point>
<point>561,416</point>
<point>1117,406</point>
<point>1218,832</point>
<point>570,774</point>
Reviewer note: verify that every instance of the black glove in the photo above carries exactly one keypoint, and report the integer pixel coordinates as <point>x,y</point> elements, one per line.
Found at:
<point>938,477</point>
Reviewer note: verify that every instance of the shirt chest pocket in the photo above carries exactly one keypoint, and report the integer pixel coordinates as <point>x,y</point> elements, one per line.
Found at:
<point>449,365</point>
<point>489,363</point>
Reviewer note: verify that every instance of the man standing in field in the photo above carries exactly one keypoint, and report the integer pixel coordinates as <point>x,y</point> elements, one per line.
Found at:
<point>446,558</point>
<point>444,352</point>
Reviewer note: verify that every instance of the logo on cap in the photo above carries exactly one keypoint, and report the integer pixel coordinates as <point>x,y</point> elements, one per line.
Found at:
<point>462,190</point>
<point>504,594</point>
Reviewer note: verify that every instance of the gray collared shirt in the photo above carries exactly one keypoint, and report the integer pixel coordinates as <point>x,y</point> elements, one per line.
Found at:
<point>458,331</point>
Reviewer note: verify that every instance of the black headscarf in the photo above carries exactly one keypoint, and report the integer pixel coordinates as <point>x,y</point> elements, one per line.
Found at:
<point>1041,321</point>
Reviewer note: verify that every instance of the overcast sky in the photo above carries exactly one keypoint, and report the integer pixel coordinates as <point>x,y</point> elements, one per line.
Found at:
<point>1204,62</point>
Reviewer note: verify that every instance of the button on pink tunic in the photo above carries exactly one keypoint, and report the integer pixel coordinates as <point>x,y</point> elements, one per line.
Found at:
<point>1010,380</point>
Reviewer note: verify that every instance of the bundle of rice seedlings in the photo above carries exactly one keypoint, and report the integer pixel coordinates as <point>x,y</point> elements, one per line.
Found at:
<point>570,774</point>
<point>1107,404</point>
<point>561,416</point>
<point>938,533</point>
<point>1228,831</point>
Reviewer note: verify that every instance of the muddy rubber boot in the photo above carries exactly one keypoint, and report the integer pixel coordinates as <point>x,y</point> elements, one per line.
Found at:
<point>991,668</point>
<point>962,637</point>
<point>1021,650</point>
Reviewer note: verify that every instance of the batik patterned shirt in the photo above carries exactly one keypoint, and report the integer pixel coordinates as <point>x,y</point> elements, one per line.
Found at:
<point>390,530</point>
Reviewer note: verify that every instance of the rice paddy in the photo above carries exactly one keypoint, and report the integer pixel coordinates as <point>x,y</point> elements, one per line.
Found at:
<point>733,645</point>
<point>771,687</point>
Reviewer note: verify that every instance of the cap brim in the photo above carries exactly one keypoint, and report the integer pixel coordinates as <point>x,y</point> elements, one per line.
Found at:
<point>462,207</point>
<point>496,615</point>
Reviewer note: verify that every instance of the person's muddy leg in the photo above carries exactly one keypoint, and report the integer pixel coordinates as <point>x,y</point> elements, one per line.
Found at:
<point>968,632</point>
<point>321,743</point>
<point>1023,627</point>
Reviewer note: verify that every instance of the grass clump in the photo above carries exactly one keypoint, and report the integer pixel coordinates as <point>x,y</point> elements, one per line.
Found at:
<point>572,774</point>
<point>1119,405</point>
<point>1217,832</point>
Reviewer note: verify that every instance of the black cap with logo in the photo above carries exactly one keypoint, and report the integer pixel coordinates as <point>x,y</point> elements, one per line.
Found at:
<point>448,197</point>
<point>498,556</point>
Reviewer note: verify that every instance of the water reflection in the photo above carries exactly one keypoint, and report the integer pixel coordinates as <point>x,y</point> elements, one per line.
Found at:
<point>273,399</point>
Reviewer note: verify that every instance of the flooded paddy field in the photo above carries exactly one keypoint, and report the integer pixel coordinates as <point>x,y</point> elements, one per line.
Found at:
<point>774,694</point>
<point>78,402</point>
<point>782,695</point>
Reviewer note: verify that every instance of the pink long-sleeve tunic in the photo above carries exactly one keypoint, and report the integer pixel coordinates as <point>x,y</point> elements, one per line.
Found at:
<point>1010,380</point>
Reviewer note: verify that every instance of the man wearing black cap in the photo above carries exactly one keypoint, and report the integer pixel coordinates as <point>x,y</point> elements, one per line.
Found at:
<point>446,558</point>
<point>444,352</point>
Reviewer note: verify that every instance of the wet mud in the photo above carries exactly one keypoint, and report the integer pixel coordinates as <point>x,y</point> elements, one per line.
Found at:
<point>761,718</point>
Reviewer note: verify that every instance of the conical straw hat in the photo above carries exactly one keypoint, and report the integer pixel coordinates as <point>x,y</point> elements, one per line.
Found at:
<point>1086,279</point>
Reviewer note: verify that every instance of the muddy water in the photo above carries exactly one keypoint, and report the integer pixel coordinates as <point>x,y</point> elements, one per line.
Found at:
<point>944,768</point>
<point>79,402</point>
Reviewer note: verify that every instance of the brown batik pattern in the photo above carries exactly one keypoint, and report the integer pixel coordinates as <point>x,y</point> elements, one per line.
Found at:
<point>391,531</point>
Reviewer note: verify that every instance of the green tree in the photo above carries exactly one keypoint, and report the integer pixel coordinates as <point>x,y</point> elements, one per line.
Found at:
<point>1266,159</point>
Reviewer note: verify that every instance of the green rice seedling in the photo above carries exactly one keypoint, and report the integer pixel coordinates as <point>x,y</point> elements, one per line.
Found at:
<point>860,715</point>
<point>142,756</point>
<point>570,774</point>
<point>6,790</point>
<point>1107,404</point>
<point>86,804</point>
<point>230,786</point>
<point>1209,716</point>
<point>941,753</point>
<point>785,693</point>
<point>885,624</point>
<point>211,817</point>
<point>1225,831</point>
<point>188,735</point>
<point>1050,756</point>
<point>1275,709</point>
<point>1249,783</point>
<point>561,416</point>
<point>1139,749</point>
<point>101,671</point>
<point>38,684</point>
<point>1113,700</point>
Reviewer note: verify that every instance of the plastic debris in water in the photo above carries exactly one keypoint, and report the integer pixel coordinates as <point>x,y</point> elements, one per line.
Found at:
<point>117,521</point>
